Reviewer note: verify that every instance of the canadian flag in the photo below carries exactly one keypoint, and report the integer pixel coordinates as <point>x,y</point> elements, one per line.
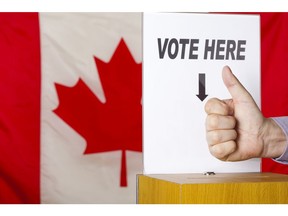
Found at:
<point>70,110</point>
<point>70,113</point>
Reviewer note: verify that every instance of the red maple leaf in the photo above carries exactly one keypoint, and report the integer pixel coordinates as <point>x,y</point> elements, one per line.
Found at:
<point>115,124</point>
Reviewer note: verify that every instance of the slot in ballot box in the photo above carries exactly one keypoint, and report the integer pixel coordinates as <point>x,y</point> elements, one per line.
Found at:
<point>228,188</point>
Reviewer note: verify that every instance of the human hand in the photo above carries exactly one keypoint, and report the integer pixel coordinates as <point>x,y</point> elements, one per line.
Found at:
<point>236,129</point>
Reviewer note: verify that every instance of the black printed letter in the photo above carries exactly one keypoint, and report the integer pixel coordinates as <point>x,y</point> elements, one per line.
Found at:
<point>162,49</point>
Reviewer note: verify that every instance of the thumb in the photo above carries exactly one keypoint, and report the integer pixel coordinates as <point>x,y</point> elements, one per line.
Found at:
<point>236,89</point>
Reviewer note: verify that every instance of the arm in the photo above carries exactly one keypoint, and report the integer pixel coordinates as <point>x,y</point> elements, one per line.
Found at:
<point>236,129</point>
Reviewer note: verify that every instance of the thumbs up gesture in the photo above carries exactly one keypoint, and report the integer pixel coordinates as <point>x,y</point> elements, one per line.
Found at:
<point>236,129</point>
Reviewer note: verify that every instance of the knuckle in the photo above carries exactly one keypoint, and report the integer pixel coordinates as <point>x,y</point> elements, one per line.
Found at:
<point>224,150</point>
<point>217,106</point>
<point>207,106</point>
<point>212,121</point>
<point>214,137</point>
<point>210,104</point>
<point>218,152</point>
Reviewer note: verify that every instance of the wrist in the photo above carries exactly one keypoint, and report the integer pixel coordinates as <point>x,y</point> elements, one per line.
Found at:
<point>273,138</point>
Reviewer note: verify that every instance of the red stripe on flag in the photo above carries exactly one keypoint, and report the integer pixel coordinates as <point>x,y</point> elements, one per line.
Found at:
<point>19,108</point>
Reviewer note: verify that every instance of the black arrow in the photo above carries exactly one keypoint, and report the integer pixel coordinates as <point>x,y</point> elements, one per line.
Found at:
<point>202,89</point>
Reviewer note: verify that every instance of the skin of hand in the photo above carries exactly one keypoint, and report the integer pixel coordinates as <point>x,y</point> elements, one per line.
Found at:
<point>236,130</point>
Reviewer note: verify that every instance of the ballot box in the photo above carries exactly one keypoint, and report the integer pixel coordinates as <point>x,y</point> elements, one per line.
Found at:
<point>225,188</point>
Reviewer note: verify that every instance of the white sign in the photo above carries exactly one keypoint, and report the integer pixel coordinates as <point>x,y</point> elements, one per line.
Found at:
<point>181,51</point>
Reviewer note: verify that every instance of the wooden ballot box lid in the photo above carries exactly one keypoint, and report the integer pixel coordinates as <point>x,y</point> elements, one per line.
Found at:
<point>210,188</point>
